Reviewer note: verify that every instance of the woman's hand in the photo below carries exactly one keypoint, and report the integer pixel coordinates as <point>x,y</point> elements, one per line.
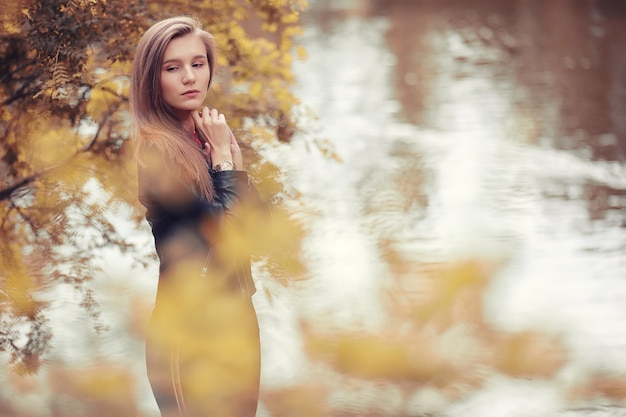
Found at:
<point>219,136</point>
<point>236,152</point>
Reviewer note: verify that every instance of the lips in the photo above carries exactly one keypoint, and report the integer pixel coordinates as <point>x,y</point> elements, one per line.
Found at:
<point>191,93</point>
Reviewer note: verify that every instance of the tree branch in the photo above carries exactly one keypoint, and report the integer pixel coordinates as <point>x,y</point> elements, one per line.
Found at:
<point>28,220</point>
<point>6,193</point>
<point>8,74</point>
<point>20,92</point>
<point>102,122</point>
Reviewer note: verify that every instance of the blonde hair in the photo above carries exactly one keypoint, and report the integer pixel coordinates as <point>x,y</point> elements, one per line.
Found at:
<point>155,122</point>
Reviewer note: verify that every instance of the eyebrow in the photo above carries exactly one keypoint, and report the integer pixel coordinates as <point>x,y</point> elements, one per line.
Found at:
<point>179,60</point>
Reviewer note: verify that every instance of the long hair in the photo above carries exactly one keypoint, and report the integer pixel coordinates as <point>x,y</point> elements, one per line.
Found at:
<point>155,122</point>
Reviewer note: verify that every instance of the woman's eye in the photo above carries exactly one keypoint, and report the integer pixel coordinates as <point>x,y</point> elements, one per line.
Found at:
<point>170,69</point>
<point>198,64</point>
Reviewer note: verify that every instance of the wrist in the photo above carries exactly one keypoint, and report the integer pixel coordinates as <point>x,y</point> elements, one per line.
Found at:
<point>225,165</point>
<point>218,156</point>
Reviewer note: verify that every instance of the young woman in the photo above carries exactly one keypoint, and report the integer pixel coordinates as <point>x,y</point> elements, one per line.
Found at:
<point>202,349</point>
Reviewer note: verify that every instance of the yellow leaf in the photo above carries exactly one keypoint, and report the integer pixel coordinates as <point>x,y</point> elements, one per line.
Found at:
<point>256,90</point>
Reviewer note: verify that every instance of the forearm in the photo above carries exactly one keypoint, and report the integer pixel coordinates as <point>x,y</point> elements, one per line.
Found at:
<point>230,187</point>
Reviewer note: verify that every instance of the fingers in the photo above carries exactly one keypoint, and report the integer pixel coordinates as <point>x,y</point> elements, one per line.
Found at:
<point>234,146</point>
<point>233,139</point>
<point>211,122</point>
<point>236,152</point>
<point>196,118</point>
<point>207,116</point>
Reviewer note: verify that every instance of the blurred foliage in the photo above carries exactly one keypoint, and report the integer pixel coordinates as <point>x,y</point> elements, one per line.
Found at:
<point>65,134</point>
<point>437,337</point>
<point>216,341</point>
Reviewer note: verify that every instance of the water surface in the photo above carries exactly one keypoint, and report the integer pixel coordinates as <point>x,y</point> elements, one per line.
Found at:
<point>482,130</point>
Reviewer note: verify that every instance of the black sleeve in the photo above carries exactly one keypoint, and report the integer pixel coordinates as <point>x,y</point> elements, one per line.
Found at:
<point>175,209</point>
<point>231,188</point>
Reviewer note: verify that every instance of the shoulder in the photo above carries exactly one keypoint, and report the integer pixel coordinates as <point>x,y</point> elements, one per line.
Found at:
<point>156,176</point>
<point>148,156</point>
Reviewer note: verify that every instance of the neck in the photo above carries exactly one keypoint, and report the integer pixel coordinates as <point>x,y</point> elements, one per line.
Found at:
<point>187,121</point>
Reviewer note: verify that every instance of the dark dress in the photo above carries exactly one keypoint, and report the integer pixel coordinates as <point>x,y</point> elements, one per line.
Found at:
<point>202,344</point>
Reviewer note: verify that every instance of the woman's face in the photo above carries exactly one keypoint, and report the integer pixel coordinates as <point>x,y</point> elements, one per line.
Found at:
<point>185,74</point>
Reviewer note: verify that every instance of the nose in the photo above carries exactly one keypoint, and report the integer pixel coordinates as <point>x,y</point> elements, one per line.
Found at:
<point>188,76</point>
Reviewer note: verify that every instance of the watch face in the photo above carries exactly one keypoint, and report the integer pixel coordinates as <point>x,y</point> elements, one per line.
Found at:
<point>224,166</point>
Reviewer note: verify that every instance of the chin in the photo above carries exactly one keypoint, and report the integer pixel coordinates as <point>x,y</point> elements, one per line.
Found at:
<point>189,107</point>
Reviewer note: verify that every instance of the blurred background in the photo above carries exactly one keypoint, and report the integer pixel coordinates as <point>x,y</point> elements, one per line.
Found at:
<point>475,213</point>
<point>459,171</point>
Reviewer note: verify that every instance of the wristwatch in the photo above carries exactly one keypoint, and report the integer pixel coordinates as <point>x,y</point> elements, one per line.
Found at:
<point>224,166</point>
